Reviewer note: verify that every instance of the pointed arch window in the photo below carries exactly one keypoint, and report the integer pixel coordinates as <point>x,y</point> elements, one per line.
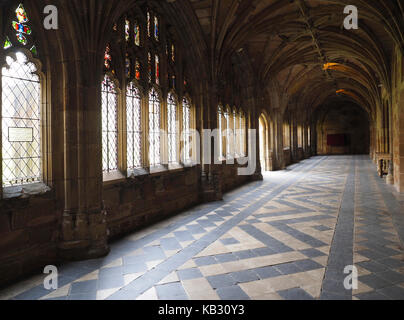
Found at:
<point>134,127</point>
<point>109,102</point>
<point>242,134</point>
<point>154,129</point>
<point>220,129</point>
<point>228,136</point>
<point>172,129</point>
<point>186,129</point>
<point>21,122</point>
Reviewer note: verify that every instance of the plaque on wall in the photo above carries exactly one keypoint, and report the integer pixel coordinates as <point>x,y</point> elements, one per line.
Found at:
<point>20,134</point>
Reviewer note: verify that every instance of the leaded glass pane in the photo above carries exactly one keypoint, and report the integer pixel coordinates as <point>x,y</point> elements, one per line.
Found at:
<point>172,129</point>
<point>109,126</point>
<point>134,127</point>
<point>154,129</point>
<point>186,112</point>
<point>21,122</point>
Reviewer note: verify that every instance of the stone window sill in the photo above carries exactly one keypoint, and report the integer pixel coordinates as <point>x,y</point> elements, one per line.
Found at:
<point>113,177</point>
<point>25,191</point>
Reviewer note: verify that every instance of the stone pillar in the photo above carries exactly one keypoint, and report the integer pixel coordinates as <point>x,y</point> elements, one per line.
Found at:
<point>279,161</point>
<point>84,228</point>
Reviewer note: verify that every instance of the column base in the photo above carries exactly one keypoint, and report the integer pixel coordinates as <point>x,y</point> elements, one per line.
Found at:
<point>82,250</point>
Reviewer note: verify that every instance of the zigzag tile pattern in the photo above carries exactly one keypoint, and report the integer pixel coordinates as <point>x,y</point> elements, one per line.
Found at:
<point>288,237</point>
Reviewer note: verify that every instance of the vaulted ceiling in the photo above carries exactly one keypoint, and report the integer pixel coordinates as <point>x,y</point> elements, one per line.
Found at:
<point>299,49</point>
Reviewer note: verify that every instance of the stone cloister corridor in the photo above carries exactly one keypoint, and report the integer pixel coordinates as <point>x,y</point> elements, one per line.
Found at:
<point>289,236</point>
<point>201,150</point>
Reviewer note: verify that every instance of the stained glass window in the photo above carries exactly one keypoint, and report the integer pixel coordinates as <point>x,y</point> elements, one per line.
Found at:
<point>173,53</point>
<point>109,126</point>
<point>156,28</point>
<point>149,66</point>
<point>7,43</point>
<point>19,26</point>
<point>157,69</point>
<point>127,66</point>
<point>127,30</point>
<point>148,24</point>
<point>134,127</point>
<point>137,34</point>
<point>154,129</point>
<point>172,129</point>
<point>21,122</point>
<point>107,57</point>
<point>186,129</point>
<point>137,69</point>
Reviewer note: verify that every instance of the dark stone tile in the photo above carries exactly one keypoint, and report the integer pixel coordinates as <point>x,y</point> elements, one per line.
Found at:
<point>374,281</point>
<point>308,265</point>
<point>154,253</point>
<point>110,272</point>
<point>267,272</point>
<point>83,296</point>
<point>134,268</point>
<point>171,291</point>
<point>374,295</point>
<point>313,253</point>
<point>336,287</point>
<point>226,257</point>
<point>221,281</point>
<point>33,294</point>
<point>169,244</point>
<point>392,276</point>
<point>373,266</point>
<point>394,293</point>
<point>189,274</point>
<point>83,287</point>
<point>230,241</point>
<point>392,263</point>
<point>262,252</point>
<point>205,261</point>
<point>288,268</point>
<point>184,236</point>
<point>295,294</point>
<point>195,229</point>
<point>245,254</point>
<point>245,276</point>
<point>232,293</point>
<point>111,282</point>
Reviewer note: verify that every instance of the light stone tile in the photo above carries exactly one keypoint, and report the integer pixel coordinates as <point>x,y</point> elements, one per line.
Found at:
<point>321,260</point>
<point>212,270</point>
<point>358,258</point>
<point>314,290</point>
<point>256,288</point>
<point>115,263</point>
<point>172,277</point>
<point>104,294</point>
<point>128,278</point>
<point>149,295</point>
<point>267,297</point>
<point>61,292</point>
<point>214,249</point>
<point>90,276</point>
<point>153,264</point>
<point>188,265</point>
<point>198,287</point>
<point>362,288</point>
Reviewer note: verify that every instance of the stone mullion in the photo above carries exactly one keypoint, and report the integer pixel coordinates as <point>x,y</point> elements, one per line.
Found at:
<point>145,136</point>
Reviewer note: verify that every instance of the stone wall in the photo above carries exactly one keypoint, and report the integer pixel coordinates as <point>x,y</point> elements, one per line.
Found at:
<point>29,232</point>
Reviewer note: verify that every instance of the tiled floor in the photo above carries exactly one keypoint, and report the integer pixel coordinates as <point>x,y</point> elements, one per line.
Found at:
<point>288,237</point>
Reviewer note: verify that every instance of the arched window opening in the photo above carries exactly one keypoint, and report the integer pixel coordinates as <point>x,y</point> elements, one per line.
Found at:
<point>154,129</point>
<point>21,122</point>
<point>109,125</point>
<point>186,130</point>
<point>172,129</point>
<point>263,138</point>
<point>220,121</point>
<point>134,127</point>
